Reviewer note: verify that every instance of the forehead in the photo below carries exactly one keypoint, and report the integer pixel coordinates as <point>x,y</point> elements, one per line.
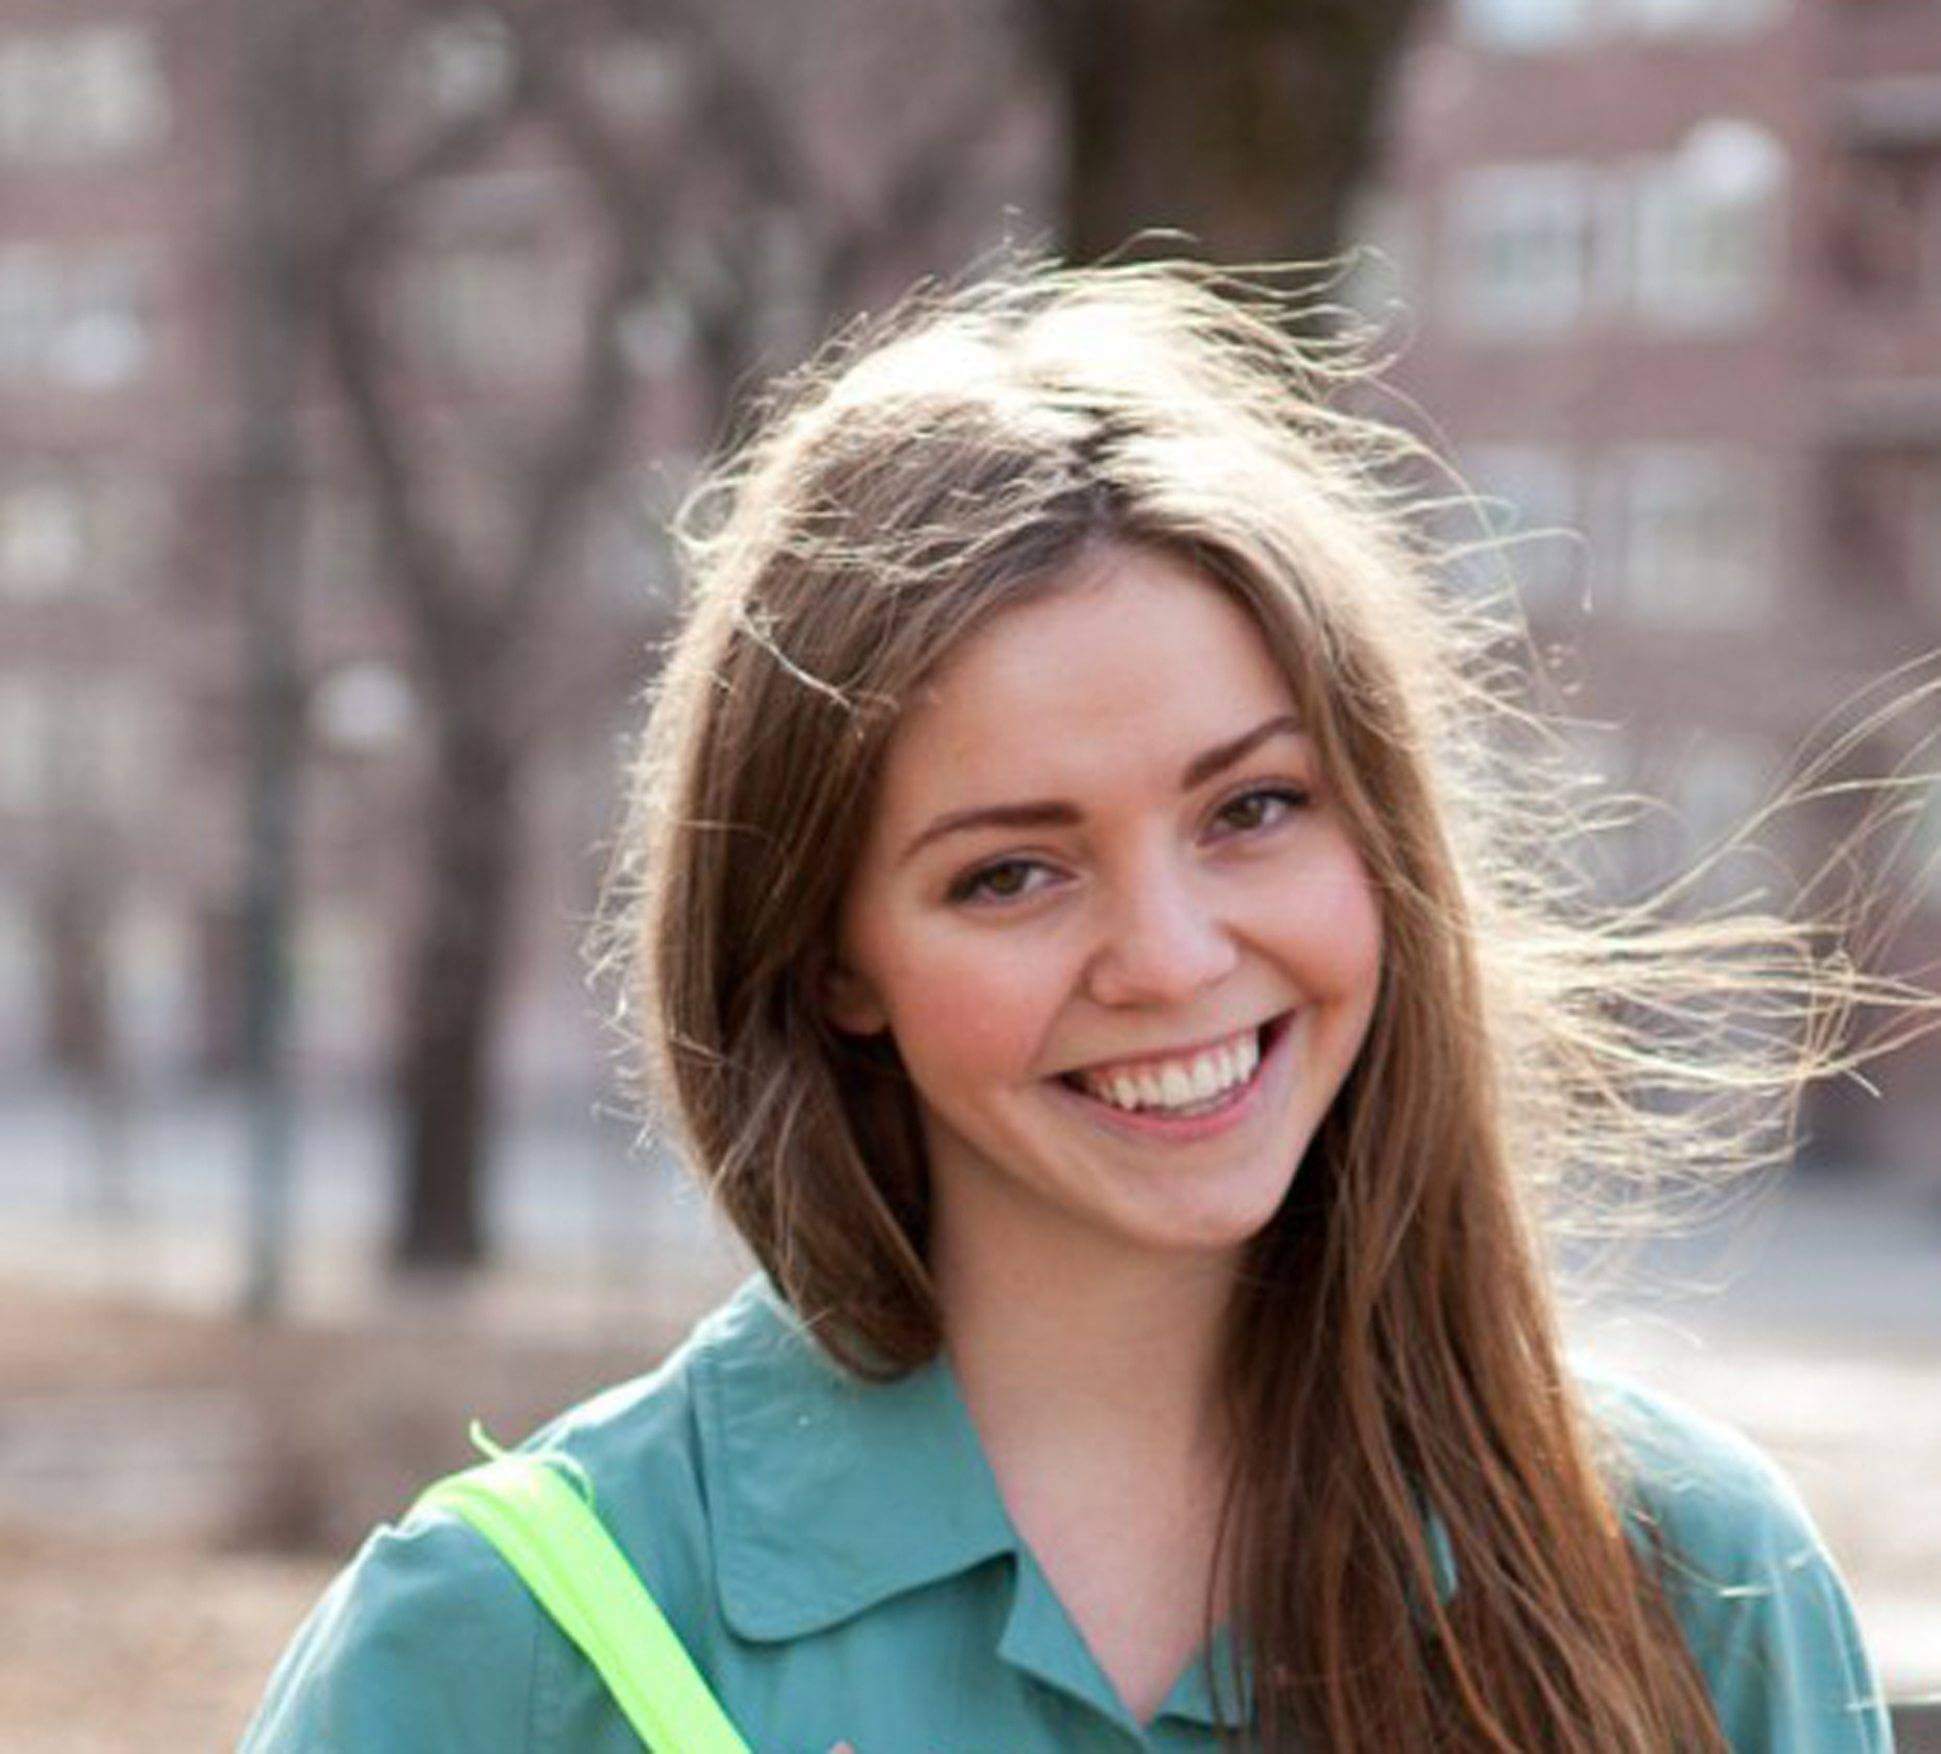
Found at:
<point>1135,664</point>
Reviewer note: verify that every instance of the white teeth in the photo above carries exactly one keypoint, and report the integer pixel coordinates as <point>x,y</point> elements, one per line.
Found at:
<point>1178,1083</point>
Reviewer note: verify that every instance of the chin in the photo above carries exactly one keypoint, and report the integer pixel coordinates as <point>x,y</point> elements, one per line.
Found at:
<point>1213,1229</point>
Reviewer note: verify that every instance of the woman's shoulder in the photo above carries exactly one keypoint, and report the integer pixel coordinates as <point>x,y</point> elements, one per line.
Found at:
<point>1717,1497</point>
<point>641,1440</point>
<point>424,1640</point>
<point>1757,1593</point>
<point>429,1639</point>
<point>655,1450</point>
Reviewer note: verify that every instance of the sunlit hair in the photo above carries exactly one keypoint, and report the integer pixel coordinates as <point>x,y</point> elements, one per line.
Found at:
<point>1393,1365</point>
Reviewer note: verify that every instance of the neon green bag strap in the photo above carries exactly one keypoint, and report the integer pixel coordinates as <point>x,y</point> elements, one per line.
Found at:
<point>526,1507</point>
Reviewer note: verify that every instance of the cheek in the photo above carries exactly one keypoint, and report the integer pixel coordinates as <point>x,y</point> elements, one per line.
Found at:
<point>963,1011</point>
<point>1345,930</point>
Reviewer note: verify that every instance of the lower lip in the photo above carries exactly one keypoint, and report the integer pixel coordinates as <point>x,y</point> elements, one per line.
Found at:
<point>1185,1129</point>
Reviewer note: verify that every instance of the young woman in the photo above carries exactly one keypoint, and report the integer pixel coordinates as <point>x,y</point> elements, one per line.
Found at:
<point>1101,929</point>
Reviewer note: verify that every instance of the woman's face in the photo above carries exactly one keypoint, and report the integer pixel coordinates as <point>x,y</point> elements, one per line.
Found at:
<point>1112,920</point>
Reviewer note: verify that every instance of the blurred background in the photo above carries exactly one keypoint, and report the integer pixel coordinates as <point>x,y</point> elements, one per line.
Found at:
<point>352,354</point>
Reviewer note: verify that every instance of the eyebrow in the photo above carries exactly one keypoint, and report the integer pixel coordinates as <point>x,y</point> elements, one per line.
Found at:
<point>1056,813</point>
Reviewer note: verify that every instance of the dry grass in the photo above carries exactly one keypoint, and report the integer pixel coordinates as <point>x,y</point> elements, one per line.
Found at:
<point>139,1646</point>
<point>148,1616</point>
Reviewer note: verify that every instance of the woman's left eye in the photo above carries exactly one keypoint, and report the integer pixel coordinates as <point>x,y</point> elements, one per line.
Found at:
<point>1261,807</point>
<point>999,882</point>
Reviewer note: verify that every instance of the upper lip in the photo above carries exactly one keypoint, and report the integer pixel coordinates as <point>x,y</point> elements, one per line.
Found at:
<point>1186,1052</point>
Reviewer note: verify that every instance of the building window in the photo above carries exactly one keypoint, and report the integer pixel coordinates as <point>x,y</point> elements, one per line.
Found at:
<point>1523,246</point>
<point>78,320</point>
<point>1697,527</point>
<point>1885,511</point>
<point>1694,18</point>
<point>1524,26</point>
<point>1886,241</point>
<point>1707,228</point>
<point>1538,26</point>
<point>79,95</point>
<point>43,537</point>
<point>69,531</point>
<point>24,738</point>
<point>1527,503</point>
<point>31,309</point>
<point>77,747</point>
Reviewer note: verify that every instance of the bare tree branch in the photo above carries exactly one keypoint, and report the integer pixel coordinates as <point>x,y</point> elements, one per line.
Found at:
<point>739,110</point>
<point>423,568</point>
<point>371,221</point>
<point>719,204</point>
<point>632,194</point>
<point>580,453</point>
<point>919,195</point>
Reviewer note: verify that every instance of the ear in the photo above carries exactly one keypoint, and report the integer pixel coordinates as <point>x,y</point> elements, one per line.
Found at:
<point>849,1001</point>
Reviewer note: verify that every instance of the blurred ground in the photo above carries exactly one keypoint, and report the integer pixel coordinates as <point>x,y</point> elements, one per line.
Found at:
<point>176,1486</point>
<point>113,1647</point>
<point>157,1466</point>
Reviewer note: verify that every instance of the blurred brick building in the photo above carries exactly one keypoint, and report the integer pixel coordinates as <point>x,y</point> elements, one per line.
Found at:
<point>111,412</point>
<point>1673,278</point>
<point>123,731</point>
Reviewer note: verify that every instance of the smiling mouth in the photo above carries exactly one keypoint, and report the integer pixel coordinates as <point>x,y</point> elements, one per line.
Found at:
<point>1187,1086</point>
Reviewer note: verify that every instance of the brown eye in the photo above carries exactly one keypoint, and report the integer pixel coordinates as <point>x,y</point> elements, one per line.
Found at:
<point>1007,880</point>
<point>1260,808</point>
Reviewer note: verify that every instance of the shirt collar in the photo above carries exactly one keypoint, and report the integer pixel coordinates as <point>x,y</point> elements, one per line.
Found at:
<point>829,1495</point>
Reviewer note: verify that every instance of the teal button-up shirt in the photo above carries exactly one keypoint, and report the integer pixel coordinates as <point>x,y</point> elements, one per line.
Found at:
<point>837,1559</point>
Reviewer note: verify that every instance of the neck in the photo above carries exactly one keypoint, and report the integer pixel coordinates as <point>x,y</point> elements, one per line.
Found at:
<point>1062,1344</point>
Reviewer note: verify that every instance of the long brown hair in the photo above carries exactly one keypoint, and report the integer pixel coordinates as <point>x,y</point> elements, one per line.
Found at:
<point>1392,1362</point>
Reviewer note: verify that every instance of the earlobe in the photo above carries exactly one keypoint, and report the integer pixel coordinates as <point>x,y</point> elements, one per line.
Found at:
<point>850,1002</point>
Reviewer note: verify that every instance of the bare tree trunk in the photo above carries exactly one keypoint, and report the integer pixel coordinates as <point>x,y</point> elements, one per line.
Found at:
<point>79,905</point>
<point>273,38</point>
<point>687,205</point>
<point>77,913</point>
<point>462,954</point>
<point>1247,123</point>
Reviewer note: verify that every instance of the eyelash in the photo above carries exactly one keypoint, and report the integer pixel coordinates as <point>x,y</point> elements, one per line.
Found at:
<point>969,888</point>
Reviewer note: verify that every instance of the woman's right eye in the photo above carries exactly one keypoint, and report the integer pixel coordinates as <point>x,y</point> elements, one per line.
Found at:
<point>1004,880</point>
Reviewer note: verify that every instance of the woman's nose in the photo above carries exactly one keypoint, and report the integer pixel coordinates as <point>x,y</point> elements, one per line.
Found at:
<point>1164,942</point>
